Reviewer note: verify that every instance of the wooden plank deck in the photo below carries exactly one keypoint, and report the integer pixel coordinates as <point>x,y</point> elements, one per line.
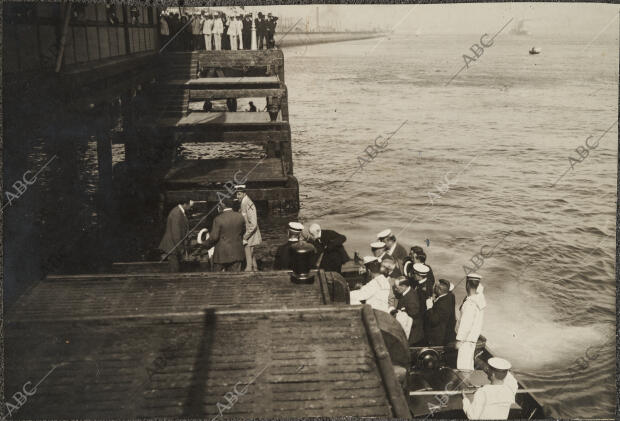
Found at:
<point>325,361</point>
<point>99,295</point>
<point>212,171</point>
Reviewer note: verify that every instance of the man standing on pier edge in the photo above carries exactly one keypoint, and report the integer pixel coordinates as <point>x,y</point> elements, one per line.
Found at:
<point>173,242</point>
<point>227,237</point>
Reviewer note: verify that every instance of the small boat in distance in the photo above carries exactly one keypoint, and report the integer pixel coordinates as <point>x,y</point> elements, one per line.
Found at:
<point>534,50</point>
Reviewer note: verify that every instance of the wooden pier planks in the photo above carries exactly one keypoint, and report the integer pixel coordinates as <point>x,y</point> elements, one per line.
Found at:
<point>305,362</point>
<point>99,295</point>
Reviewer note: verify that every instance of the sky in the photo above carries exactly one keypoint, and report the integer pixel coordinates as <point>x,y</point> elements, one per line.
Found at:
<point>540,18</point>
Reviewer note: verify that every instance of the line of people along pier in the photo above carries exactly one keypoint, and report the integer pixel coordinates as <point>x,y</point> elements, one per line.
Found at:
<point>394,280</point>
<point>216,30</point>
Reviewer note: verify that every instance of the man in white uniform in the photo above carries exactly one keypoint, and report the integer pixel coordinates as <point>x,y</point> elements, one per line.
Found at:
<point>218,29</point>
<point>470,324</point>
<point>207,30</point>
<point>493,401</point>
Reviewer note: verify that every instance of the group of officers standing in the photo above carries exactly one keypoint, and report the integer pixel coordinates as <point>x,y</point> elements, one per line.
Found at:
<point>216,31</point>
<point>403,285</point>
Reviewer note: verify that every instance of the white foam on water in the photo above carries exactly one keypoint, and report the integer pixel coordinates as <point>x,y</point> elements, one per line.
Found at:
<point>522,327</point>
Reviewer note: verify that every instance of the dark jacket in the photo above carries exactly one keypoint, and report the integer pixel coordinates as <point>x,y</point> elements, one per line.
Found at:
<point>330,246</point>
<point>441,321</point>
<point>425,290</point>
<point>412,306</point>
<point>227,237</point>
<point>282,261</point>
<point>176,230</point>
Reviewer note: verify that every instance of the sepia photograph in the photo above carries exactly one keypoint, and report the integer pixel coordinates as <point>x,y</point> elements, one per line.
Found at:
<point>261,210</point>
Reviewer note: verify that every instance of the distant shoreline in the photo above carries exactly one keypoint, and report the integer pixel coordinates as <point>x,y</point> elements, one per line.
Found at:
<point>293,39</point>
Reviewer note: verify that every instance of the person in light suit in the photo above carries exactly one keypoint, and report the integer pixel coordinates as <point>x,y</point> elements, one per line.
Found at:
<point>227,237</point>
<point>218,30</point>
<point>207,31</point>
<point>252,236</point>
<point>173,243</point>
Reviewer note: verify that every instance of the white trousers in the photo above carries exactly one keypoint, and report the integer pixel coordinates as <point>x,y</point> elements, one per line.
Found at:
<point>233,42</point>
<point>465,359</point>
<point>208,41</point>
<point>217,40</point>
<point>240,41</point>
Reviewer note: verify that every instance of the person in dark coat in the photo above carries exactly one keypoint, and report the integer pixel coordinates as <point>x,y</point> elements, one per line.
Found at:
<point>270,30</point>
<point>261,30</point>
<point>422,284</point>
<point>173,242</point>
<point>246,32</point>
<point>227,237</point>
<point>407,300</point>
<point>392,247</point>
<point>417,255</point>
<point>282,259</point>
<point>440,316</point>
<point>329,247</point>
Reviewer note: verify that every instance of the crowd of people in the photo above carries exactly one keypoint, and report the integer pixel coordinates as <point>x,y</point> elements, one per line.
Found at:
<point>396,281</point>
<point>215,31</point>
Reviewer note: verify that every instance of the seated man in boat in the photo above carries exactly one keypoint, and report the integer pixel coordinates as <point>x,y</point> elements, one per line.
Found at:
<point>470,323</point>
<point>378,292</point>
<point>493,401</point>
<point>330,248</point>
<point>408,303</point>
<point>440,315</point>
<point>227,237</point>
<point>393,248</point>
<point>173,243</point>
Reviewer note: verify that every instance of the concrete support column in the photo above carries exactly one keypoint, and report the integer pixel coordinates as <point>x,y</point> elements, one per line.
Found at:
<point>254,45</point>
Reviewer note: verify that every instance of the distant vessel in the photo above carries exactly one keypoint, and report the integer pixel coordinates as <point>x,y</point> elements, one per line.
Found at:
<point>535,50</point>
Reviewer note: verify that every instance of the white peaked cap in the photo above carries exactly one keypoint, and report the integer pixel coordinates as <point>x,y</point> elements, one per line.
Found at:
<point>240,187</point>
<point>377,245</point>
<point>384,233</point>
<point>295,226</point>
<point>368,259</point>
<point>474,276</point>
<point>499,363</point>
<point>421,268</point>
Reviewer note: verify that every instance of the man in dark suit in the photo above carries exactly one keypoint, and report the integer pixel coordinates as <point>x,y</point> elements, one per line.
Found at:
<point>173,242</point>
<point>393,248</point>
<point>227,237</point>
<point>247,32</point>
<point>407,300</point>
<point>440,316</point>
<point>261,31</point>
<point>329,247</point>
<point>422,283</point>
<point>417,255</point>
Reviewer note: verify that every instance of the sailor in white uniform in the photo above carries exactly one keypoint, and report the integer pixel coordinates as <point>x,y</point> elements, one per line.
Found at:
<point>493,401</point>
<point>470,323</point>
